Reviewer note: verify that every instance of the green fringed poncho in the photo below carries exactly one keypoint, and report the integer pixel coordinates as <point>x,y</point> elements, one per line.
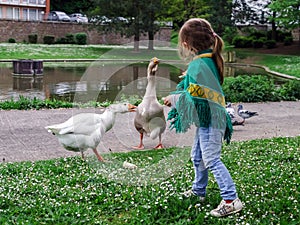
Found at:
<point>201,100</point>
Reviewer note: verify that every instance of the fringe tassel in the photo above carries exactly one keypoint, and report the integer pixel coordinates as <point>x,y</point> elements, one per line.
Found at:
<point>201,113</point>
<point>228,130</point>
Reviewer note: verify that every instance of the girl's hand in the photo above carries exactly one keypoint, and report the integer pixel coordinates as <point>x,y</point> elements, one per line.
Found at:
<point>167,100</point>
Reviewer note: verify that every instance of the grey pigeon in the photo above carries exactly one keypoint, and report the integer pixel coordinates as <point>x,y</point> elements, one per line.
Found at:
<point>231,112</point>
<point>245,114</point>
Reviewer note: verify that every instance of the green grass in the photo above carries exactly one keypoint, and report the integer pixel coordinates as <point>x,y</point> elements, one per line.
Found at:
<point>42,51</point>
<point>282,64</point>
<point>285,64</point>
<point>72,191</point>
<point>26,103</point>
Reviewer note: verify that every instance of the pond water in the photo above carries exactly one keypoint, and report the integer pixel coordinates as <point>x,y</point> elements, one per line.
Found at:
<point>95,82</point>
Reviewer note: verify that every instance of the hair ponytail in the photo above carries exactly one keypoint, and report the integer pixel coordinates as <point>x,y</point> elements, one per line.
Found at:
<point>217,56</point>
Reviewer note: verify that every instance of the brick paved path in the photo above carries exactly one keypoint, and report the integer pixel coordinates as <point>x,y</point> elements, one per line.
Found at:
<point>23,136</point>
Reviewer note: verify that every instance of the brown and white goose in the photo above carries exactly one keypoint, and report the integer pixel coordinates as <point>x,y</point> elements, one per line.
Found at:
<point>85,130</point>
<point>150,118</point>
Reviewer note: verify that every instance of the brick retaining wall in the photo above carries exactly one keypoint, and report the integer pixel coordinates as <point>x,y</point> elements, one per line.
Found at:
<point>19,30</point>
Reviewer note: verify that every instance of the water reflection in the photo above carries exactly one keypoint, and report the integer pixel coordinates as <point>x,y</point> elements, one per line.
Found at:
<point>23,83</point>
<point>98,81</point>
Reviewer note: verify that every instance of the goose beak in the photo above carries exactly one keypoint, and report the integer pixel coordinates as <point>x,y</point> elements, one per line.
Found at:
<point>131,108</point>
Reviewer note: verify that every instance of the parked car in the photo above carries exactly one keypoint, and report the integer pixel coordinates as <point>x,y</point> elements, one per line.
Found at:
<point>78,18</point>
<point>103,20</point>
<point>58,16</point>
<point>119,19</point>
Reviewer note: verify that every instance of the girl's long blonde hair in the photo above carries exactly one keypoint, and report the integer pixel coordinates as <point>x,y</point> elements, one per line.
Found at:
<point>197,35</point>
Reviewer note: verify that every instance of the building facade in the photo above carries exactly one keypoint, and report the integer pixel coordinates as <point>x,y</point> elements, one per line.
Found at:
<point>25,10</point>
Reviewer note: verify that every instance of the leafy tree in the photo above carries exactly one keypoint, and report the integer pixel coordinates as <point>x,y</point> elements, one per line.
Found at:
<point>241,12</point>
<point>220,15</point>
<point>149,16</point>
<point>70,6</point>
<point>141,16</point>
<point>288,13</point>
<point>251,11</point>
<point>179,11</point>
<point>254,12</point>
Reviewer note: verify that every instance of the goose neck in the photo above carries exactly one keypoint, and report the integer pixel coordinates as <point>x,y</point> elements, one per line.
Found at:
<point>151,87</point>
<point>108,119</point>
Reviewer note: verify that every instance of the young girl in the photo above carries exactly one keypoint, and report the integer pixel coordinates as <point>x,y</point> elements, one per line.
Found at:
<point>199,101</point>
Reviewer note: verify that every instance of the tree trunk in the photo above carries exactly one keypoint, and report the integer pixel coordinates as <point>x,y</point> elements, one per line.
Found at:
<point>273,26</point>
<point>151,40</point>
<point>136,26</point>
<point>299,36</point>
<point>136,43</point>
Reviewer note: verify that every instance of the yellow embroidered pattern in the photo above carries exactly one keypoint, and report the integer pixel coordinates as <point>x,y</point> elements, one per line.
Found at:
<point>204,55</point>
<point>204,92</point>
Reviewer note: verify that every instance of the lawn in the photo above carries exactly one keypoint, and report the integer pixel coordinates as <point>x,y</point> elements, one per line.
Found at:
<point>286,64</point>
<point>68,51</point>
<point>72,191</point>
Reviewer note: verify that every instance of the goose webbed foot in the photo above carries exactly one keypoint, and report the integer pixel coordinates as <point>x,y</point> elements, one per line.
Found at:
<point>159,146</point>
<point>99,157</point>
<point>139,147</point>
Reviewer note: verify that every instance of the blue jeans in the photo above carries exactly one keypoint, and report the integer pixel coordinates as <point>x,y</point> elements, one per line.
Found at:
<point>205,155</point>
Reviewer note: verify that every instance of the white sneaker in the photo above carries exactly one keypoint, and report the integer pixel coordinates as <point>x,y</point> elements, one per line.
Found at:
<point>225,209</point>
<point>190,193</point>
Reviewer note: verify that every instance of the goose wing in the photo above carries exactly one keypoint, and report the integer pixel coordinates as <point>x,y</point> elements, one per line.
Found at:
<point>84,123</point>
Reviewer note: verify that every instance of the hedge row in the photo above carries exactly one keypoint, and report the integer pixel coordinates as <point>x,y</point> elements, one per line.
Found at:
<point>79,38</point>
<point>259,39</point>
<point>259,88</point>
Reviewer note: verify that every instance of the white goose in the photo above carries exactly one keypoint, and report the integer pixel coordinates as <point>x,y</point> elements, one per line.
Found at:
<point>85,130</point>
<point>150,117</point>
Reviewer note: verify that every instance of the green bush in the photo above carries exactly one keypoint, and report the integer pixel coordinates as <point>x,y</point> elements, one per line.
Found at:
<point>256,88</point>
<point>62,40</point>
<point>258,43</point>
<point>270,44</point>
<point>242,42</point>
<point>70,39</point>
<point>49,40</point>
<point>229,34</point>
<point>282,35</point>
<point>25,103</point>
<point>288,40</point>
<point>248,30</point>
<point>279,35</point>
<point>32,38</point>
<point>258,34</point>
<point>81,38</point>
<point>290,91</point>
<point>11,40</point>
